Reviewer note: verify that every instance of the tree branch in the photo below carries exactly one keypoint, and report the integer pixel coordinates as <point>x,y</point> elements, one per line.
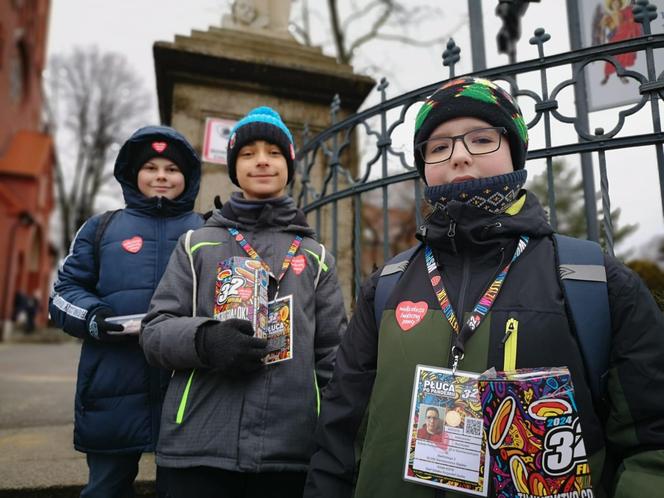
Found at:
<point>371,34</point>
<point>337,33</point>
<point>358,15</point>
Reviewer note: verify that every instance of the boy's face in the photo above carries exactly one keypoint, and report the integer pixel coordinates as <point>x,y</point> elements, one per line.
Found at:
<point>462,165</point>
<point>261,170</point>
<point>160,177</point>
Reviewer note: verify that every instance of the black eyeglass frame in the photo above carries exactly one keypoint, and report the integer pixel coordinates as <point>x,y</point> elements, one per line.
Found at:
<point>501,129</point>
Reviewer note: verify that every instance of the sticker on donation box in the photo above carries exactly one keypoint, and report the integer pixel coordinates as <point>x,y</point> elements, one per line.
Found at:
<point>446,442</point>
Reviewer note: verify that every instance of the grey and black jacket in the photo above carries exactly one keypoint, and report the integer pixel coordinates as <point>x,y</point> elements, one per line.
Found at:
<point>263,421</point>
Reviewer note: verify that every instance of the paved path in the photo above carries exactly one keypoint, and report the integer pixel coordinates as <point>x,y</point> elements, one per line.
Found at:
<point>37,457</point>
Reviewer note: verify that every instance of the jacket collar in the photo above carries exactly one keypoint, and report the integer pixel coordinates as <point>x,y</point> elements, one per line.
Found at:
<point>461,227</point>
<point>248,215</point>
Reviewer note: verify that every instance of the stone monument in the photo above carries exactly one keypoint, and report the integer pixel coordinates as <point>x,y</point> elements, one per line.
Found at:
<point>252,60</point>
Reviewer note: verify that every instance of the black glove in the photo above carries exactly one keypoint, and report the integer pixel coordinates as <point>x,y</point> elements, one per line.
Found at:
<point>98,327</point>
<point>230,347</point>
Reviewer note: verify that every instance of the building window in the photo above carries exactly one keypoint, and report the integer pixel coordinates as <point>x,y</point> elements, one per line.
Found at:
<point>18,74</point>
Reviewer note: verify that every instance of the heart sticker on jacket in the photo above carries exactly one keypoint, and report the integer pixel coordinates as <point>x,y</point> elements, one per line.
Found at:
<point>133,245</point>
<point>410,314</point>
<point>299,263</point>
<point>159,146</point>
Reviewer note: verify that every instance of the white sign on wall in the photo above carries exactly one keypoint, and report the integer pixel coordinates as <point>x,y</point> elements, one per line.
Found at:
<point>606,21</point>
<point>215,141</point>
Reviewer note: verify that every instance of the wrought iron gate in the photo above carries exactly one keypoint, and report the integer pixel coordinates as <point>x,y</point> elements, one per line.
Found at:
<point>331,192</point>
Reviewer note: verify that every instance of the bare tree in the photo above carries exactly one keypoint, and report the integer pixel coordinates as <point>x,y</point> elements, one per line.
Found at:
<point>93,101</point>
<point>385,20</point>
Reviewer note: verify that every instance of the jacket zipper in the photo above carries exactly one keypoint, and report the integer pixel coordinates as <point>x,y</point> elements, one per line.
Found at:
<point>510,341</point>
<point>317,395</point>
<point>451,234</point>
<point>465,278</point>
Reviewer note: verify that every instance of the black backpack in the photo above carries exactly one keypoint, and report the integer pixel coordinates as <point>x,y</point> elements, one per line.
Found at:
<point>104,220</point>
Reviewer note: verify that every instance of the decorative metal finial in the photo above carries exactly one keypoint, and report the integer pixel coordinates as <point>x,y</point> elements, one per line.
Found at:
<point>334,108</point>
<point>644,13</point>
<point>451,56</point>
<point>382,86</point>
<point>540,38</point>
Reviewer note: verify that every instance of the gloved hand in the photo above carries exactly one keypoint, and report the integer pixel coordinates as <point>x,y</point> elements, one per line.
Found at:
<point>98,327</point>
<point>230,347</point>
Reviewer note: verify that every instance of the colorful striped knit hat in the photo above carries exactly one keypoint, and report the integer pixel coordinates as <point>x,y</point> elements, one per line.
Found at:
<point>261,123</point>
<point>477,98</point>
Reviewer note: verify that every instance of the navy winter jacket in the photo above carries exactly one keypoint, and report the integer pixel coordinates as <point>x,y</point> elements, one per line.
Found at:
<point>118,395</point>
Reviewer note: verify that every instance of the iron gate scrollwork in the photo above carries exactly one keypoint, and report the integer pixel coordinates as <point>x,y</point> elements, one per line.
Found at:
<point>325,182</point>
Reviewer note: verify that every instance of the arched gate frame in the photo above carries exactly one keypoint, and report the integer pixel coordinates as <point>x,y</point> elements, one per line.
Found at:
<point>325,183</point>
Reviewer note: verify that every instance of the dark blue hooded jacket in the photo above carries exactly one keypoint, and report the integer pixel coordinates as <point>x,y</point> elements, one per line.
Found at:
<point>118,395</point>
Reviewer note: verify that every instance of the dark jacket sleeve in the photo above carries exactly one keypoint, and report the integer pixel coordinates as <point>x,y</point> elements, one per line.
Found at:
<point>73,297</point>
<point>331,321</point>
<point>333,465</point>
<point>635,424</point>
<point>168,334</point>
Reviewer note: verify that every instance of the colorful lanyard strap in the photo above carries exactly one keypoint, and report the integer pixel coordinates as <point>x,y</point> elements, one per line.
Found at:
<point>481,308</point>
<point>251,252</point>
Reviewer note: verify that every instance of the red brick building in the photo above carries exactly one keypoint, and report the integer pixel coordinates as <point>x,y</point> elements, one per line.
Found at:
<point>26,159</point>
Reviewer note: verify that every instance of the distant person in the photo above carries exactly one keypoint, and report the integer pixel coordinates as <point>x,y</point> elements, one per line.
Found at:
<point>487,265</point>
<point>233,426</point>
<point>31,310</point>
<point>118,395</point>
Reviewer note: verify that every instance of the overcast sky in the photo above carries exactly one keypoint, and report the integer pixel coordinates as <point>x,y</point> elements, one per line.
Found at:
<point>132,26</point>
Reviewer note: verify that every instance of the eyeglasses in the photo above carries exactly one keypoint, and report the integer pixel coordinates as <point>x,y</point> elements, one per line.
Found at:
<point>477,142</point>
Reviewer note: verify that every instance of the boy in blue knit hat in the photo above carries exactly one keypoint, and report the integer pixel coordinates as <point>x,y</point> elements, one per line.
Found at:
<point>233,424</point>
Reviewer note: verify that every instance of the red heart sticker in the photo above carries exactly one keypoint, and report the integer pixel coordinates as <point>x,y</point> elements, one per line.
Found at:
<point>245,292</point>
<point>159,146</point>
<point>299,263</point>
<point>133,245</point>
<point>410,314</point>
<point>435,280</point>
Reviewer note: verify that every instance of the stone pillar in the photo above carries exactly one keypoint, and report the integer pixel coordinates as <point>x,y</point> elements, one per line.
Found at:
<point>225,72</point>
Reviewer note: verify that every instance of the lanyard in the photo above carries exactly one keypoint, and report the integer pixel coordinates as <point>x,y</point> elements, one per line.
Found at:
<point>481,308</point>
<point>251,252</point>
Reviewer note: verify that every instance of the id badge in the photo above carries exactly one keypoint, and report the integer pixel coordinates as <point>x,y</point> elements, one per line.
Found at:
<point>446,442</point>
<point>279,333</point>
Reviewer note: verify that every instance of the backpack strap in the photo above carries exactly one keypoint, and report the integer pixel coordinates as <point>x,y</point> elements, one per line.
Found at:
<point>583,277</point>
<point>104,220</point>
<point>194,283</point>
<point>388,279</point>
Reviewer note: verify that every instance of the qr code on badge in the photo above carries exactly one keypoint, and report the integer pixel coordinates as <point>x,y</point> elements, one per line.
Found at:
<point>473,426</point>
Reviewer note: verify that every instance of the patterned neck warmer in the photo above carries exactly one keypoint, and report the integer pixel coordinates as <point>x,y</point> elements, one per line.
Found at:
<point>493,194</point>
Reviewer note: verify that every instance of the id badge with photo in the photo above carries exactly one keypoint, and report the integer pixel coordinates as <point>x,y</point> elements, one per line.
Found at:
<point>446,443</point>
<point>279,332</point>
